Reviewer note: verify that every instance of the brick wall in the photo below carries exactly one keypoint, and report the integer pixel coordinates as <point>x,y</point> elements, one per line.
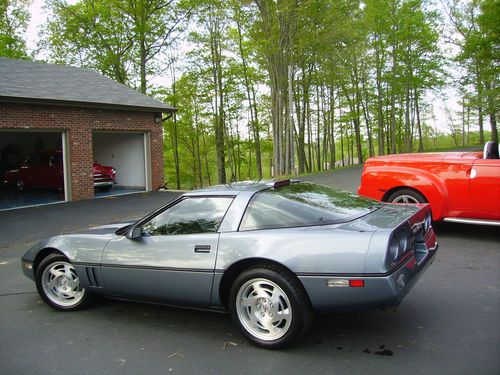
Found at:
<point>79,123</point>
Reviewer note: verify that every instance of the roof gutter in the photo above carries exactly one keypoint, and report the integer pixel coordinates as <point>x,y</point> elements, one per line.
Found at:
<point>61,103</point>
<point>169,116</point>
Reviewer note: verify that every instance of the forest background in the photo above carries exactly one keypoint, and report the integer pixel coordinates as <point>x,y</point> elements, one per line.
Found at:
<point>283,87</point>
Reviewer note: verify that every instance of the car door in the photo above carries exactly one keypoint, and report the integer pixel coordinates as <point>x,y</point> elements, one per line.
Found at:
<point>485,188</point>
<point>40,170</point>
<point>54,178</point>
<point>174,259</point>
<point>454,171</point>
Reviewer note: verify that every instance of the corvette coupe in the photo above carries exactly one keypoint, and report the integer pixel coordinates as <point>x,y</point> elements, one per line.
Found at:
<point>461,187</point>
<point>272,254</point>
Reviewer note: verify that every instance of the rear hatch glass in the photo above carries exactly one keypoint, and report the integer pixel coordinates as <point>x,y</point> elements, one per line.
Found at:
<point>304,204</point>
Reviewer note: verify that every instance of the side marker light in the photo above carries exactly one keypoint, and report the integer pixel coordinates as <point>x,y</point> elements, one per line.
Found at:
<point>357,283</point>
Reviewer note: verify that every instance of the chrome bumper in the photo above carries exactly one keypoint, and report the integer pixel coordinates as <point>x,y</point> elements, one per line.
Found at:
<point>103,183</point>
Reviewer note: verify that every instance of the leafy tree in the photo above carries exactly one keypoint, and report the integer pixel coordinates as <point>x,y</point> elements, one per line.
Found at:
<point>476,23</point>
<point>93,34</point>
<point>118,38</point>
<point>264,85</point>
<point>14,17</point>
<point>155,24</point>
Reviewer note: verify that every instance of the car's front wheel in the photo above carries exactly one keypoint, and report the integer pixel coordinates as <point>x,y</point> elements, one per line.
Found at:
<point>270,306</point>
<point>59,285</point>
<point>105,188</point>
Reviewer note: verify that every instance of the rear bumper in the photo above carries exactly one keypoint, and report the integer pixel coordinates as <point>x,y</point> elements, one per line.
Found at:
<point>379,291</point>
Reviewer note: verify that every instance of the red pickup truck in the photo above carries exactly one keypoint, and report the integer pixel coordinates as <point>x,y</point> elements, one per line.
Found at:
<point>44,169</point>
<point>459,186</point>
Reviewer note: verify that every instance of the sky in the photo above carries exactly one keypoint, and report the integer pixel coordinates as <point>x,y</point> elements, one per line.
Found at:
<point>39,15</point>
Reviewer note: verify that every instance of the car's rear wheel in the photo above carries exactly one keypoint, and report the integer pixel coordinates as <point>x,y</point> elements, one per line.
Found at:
<point>20,186</point>
<point>59,285</point>
<point>406,196</point>
<point>270,306</point>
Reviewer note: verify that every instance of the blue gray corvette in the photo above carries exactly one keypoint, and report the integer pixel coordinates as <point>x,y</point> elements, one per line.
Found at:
<point>272,254</point>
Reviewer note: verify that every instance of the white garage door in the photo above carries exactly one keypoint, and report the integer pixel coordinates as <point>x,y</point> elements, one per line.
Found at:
<point>126,153</point>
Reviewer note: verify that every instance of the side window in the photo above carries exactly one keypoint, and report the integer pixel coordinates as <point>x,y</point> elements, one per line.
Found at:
<point>43,159</point>
<point>268,211</point>
<point>28,162</point>
<point>55,160</point>
<point>191,215</point>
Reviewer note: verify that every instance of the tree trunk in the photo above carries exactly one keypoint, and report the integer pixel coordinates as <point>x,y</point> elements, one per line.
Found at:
<point>479,88</point>
<point>251,97</point>
<point>380,116</point>
<point>206,159</point>
<point>419,125</point>
<point>143,58</point>
<point>492,113</point>
<point>219,123</point>
<point>174,137</point>
<point>365,104</point>
<point>198,154</point>
<point>332,128</point>
<point>318,131</point>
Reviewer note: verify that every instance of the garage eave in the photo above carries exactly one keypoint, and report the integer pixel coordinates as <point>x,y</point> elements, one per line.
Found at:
<point>79,104</point>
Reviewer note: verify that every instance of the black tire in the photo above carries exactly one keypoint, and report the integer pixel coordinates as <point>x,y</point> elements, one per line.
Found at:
<point>293,300</point>
<point>65,294</point>
<point>105,188</point>
<point>20,185</point>
<point>406,196</point>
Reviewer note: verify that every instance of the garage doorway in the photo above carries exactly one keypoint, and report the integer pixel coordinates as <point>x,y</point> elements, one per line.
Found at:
<point>127,154</point>
<point>32,168</point>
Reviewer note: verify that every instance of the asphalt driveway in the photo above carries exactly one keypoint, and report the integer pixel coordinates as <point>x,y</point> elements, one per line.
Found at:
<point>448,324</point>
<point>32,223</point>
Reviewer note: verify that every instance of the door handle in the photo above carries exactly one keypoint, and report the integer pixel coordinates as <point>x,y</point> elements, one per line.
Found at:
<point>201,248</point>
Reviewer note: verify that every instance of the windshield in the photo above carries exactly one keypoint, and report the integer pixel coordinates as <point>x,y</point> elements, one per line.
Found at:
<point>304,204</point>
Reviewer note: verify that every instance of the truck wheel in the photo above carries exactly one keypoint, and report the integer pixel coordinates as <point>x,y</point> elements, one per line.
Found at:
<point>406,196</point>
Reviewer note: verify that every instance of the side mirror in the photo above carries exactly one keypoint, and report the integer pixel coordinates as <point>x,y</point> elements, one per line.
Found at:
<point>134,232</point>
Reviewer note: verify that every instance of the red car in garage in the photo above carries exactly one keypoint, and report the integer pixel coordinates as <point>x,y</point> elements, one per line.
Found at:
<point>460,186</point>
<point>44,169</point>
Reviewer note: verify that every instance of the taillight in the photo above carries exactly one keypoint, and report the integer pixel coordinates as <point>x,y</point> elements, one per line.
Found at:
<point>399,242</point>
<point>427,221</point>
<point>355,283</point>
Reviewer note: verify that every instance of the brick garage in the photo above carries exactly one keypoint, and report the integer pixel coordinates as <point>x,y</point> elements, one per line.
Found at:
<point>80,104</point>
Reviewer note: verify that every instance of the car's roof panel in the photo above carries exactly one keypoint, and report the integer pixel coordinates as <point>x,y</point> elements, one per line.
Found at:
<point>231,189</point>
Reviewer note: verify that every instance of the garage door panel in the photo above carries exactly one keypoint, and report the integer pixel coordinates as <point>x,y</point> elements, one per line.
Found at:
<point>124,152</point>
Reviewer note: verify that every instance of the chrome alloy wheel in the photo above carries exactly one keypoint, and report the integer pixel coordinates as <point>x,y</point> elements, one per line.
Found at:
<point>404,198</point>
<point>264,309</point>
<point>20,184</point>
<point>61,284</point>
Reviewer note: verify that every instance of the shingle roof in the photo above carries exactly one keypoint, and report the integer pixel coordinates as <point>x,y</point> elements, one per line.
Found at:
<point>35,82</point>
